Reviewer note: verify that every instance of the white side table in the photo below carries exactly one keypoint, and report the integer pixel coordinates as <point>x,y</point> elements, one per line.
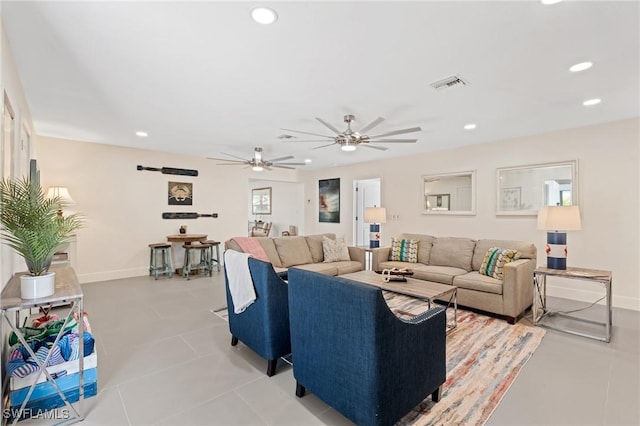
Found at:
<point>541,312</point>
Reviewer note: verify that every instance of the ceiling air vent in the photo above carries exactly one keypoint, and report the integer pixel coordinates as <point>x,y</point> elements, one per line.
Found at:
<point>448,82</point>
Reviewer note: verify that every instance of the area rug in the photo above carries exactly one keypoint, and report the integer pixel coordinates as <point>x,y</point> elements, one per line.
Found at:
<point>484,357</point>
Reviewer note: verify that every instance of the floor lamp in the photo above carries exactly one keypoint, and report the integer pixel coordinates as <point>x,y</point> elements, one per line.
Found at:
<point>375,216</point>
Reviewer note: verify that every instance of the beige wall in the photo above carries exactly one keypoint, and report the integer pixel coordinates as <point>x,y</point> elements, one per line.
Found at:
<point>608,177</point>
<point>16,147</point>
<point>123,206</point>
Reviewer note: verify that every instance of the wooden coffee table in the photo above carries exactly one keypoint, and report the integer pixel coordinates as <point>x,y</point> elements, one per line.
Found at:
<point>420,289</point>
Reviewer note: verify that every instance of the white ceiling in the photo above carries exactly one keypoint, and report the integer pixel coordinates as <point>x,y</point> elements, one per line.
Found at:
<point>202,78</point>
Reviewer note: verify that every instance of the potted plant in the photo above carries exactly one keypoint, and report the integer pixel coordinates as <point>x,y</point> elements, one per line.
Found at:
<point>31,225</point>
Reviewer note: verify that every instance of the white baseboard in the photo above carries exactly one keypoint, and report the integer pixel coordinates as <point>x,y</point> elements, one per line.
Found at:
<point>589,296</point>
<point>112,275</point>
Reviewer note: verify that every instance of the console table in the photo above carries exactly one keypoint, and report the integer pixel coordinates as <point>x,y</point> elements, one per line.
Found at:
<point>540,310</point>
<point>67,292</point>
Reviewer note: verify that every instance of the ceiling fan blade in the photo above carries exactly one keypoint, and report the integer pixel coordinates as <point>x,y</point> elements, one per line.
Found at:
<point>397,132</point>
<point>371,125</point>
<point>275,160</point>
<point>230,164</point>
<point>282,167</point>
<point>380,148</point>
<point>333,129</point>
<point>290,164</point>
<point>307,133</point>
<point>322,146</point>
<point>234,156</point>
<point>226,159</point>
<point>308,140</point>
<point>395,141</point>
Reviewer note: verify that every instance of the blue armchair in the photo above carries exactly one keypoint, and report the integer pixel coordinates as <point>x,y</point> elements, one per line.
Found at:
<point>352,352</point>
<point>264,325</point>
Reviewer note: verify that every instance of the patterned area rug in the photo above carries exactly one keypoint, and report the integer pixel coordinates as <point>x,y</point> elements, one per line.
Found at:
<point>484,357</point>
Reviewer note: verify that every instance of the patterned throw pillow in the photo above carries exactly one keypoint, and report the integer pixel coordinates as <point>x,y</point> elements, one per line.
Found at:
<point>494,261</point>
<point>334,250</point>
<point>404,250</point>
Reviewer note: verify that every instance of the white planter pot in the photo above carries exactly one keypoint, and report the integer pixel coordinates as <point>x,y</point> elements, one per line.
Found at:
<point>32,287</point>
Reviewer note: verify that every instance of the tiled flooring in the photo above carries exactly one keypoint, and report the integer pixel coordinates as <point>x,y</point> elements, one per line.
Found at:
<point>164,358</point>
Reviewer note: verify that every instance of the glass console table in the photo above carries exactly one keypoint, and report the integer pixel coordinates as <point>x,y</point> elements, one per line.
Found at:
<point>540,308</point>
<point>68,293</point>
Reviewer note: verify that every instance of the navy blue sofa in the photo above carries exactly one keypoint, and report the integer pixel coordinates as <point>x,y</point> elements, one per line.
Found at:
<point>352,352</point>
<point>264,325</point>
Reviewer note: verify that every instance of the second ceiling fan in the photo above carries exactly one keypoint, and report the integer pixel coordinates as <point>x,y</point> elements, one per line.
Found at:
<point>350,139</point>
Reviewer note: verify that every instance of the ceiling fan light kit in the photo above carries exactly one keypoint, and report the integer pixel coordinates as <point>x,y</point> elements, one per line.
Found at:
<point>257,163</point>
<point>349,139</point>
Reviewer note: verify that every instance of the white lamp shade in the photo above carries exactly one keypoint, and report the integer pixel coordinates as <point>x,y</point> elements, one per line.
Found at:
<point>375,215</point>
<point>62,192</point>
<point>559,218</point>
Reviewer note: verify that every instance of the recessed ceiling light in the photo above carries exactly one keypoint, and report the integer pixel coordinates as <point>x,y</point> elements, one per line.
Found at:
<point>142,134</point>
<point>307,160</point>
<point>264,15</point>
<point>581,66</point>
<point>590,102</point>
<point>469,126</point>
<point>548,2</point>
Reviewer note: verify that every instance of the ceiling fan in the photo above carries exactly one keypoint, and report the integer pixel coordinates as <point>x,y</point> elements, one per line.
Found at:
<point>257,163</point>
<point>349,139</point>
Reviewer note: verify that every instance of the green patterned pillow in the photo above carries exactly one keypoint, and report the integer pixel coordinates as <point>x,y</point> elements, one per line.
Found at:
<point>404,250</point>
<point>494,261</point>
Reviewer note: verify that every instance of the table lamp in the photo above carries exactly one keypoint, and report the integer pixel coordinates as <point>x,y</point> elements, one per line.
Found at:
<point>374,216</point>
<point>63,194</point>
<point>556,220</point>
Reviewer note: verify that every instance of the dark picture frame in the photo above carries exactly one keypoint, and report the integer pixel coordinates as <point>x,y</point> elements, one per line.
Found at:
<point>329,200</point>
<point>180,194</point>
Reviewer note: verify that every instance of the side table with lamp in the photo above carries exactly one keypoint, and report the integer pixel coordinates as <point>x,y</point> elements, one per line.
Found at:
<point>557,220</point>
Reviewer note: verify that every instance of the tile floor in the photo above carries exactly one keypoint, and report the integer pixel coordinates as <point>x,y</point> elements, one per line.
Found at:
<point>165,358</point>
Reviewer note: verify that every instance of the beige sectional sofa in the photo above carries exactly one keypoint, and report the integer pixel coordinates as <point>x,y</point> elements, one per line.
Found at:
<point>304,252</point>
<point>457,261</point>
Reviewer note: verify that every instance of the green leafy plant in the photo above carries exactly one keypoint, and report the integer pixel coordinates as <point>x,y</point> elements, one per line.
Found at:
<point>30,223</point>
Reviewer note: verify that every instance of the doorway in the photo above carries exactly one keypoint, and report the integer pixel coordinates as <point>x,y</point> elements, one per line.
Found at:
<point>366,193</point>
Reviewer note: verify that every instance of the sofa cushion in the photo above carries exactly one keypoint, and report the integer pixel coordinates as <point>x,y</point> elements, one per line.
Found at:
<point>494,261</point>
<point>475,281</point>
<point>454,252</point>
<point>347,267</point>
<point>293,251</point>
<point>438,274</point>
<point>321,268</point>
<point>315,245</point>
<point>334,250</point>
<point>270,248</point>
<point>404,250</point>
<point>424,245</point>
<point>526,250</point>
<point>267,245</point>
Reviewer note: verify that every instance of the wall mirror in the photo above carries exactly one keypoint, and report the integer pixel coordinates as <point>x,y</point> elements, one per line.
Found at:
<point>523,190</point>
<point>449,193</point>
<point>261,201</point>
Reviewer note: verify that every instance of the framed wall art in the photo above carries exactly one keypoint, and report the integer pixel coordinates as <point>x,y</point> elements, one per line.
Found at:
<point>180,194</point>
<point>261,200</point>
<point>329,200</point>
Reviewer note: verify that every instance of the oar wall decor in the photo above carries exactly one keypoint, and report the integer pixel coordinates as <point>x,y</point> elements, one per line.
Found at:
<point>186,215</point>
<point>170,170</point>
